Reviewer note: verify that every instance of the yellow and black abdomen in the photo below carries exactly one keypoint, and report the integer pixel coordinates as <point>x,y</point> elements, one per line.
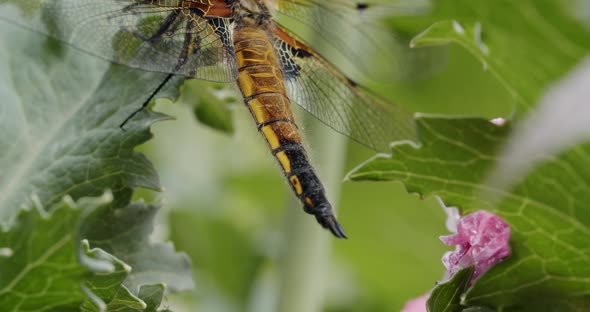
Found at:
<point>261,81</point>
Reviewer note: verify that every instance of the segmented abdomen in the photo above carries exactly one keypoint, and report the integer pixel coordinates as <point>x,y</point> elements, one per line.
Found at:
<point>262,84</point>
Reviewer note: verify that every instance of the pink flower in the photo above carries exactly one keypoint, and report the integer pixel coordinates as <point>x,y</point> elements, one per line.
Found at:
<point>481,239</point>
<point>416,304</point>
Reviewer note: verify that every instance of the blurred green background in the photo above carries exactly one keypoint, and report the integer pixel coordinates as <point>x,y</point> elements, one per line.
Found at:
<point>254,249</point>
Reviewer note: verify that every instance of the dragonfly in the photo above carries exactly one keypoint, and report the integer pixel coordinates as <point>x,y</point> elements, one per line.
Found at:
<point>241,41</point>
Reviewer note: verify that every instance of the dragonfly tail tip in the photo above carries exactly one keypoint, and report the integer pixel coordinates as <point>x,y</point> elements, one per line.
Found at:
<point>338,231</point>
<point>332,224</point>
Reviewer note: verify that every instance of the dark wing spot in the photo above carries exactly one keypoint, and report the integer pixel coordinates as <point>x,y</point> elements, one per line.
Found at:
<point>302,53</point>
<point>221,26</point>
<point>361,6</point>
<point>287,57</point>
<point>351,82</point>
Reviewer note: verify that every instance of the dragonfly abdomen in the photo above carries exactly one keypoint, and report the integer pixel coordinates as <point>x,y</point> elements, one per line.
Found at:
<point>261,81</point>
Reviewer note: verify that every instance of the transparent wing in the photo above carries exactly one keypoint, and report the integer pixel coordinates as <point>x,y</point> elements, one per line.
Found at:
<point>164,38</point>
<point>321,89</point>
<point>342,26</point>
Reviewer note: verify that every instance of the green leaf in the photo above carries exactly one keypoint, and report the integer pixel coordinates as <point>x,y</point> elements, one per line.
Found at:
<point>446,297</point>
<point>212,103</point>
<point>61,112</point>
<point>152,296</point>
<point>35,243</point>
<point>124,231</point>
<point>126,301</point>
<point>47,264</point>
<point>50,268</point>
<point>102,289</point>
<point>148,299</point>
<point>547,210</point>
<point>525,44</point>
<point>61,115</point>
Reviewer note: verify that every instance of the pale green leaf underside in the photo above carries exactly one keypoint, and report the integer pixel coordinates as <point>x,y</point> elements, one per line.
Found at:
<point>60,115</point>
<point>547,210</point>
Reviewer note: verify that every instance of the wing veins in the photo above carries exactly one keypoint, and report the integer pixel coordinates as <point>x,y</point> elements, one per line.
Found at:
<point>313,87</point>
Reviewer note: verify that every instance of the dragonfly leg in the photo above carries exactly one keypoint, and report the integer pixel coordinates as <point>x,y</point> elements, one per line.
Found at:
<point>186,47</point>
<point>164,27</point>
<point>147,101</point>
<point>135,5</point>
<point>182,58</point>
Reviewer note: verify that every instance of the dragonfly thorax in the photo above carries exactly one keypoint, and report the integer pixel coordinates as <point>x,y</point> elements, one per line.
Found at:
<point>253,12</point>
<point>259,6</point>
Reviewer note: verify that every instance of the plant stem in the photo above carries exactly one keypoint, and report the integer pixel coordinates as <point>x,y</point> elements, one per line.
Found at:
<point>307,245</point>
